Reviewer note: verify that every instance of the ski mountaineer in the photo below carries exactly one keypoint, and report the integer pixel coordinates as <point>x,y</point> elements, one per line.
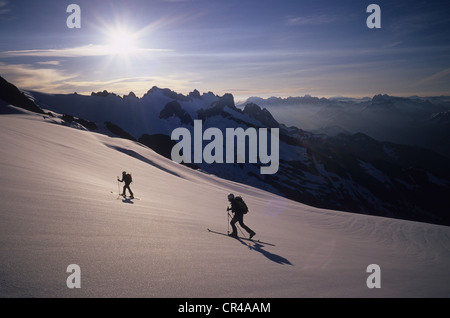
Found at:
<point>126,177</point>
<point>238,217</point>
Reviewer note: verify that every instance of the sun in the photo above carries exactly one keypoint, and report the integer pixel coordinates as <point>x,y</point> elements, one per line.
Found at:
<point>121,42</point>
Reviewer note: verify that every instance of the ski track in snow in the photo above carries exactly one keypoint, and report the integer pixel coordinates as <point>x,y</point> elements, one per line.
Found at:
<point>57,209</point>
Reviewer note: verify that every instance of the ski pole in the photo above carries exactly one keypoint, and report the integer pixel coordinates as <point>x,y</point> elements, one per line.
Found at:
<point>228,222</point>
<point>229,216</point>
<point>118,186</point>
<point>240,230</point>
<point>237,226</point>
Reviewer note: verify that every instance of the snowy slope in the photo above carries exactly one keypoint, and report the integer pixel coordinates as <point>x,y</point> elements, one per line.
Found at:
<point>348,172</point>
<point>57,209</point>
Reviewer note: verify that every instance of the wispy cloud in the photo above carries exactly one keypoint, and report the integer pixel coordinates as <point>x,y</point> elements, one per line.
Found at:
<point>5,11</point>
<point>82,51</point>
<point>27,76</point>
<point>3,7</point>
<point>54,63</point>
<point>180,0</point>
<point>123,85</point>
<point>309,20</point>
<point>53,80</point>
<point>436,76</point>
<point>392,45</point>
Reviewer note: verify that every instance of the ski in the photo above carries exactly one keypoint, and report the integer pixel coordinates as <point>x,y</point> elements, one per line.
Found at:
<point>130,198</point>
<point>241,238</point>
<point>124,197</point>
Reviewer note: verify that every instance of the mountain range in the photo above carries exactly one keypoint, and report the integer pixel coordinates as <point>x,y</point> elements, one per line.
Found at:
<point>345,170</point>
<point>416,121</point>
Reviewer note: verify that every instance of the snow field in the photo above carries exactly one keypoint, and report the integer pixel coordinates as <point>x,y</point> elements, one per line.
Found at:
<point>57,209</point>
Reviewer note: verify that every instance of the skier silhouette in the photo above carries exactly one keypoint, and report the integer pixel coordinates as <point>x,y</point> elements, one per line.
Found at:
<point>126,177</point>
<point>239,212</point>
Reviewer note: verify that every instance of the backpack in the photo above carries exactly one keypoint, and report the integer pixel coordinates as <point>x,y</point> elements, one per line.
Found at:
<point>127,178</point>
<point>241,205</point>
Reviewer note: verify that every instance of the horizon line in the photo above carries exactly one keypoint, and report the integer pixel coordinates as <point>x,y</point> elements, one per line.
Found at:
<point>264,96</point>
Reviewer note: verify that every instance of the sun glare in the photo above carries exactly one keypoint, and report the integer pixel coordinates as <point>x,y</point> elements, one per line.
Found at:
<point>121,42</point>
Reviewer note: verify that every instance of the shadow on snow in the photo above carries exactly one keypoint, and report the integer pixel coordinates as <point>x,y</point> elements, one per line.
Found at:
<point>258,247</point>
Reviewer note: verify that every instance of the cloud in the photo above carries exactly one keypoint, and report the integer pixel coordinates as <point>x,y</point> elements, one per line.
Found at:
<point>392,45</point>
<point>81,51</point>
<point>4,10</point>
<point>180,0</point>
<point>55,63</point>
<point>309,20</point>
<point>3,4</point>
<point>138,84</point>
<point>50,80</point>
<point>436,77</point>
<point>26,76</point>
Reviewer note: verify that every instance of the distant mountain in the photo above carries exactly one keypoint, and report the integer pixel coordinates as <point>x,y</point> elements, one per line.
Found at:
<point>347,171</point>
<point>417,121</point>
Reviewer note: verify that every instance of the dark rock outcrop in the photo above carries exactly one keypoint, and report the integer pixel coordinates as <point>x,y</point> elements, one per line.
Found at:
<point>12,95</point>
<point>174,109</point>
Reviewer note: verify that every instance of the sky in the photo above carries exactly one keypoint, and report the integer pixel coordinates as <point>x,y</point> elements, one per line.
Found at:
<point>244,47</point>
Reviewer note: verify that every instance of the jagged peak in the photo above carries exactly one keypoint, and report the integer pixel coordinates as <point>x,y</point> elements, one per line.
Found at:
<point>262,115</point>
<point>174,108</point>
<point>168,93</point>
<point>194,94</point>
<point>226,100</point>
<point>130,95</point>
<point>105,93</point>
